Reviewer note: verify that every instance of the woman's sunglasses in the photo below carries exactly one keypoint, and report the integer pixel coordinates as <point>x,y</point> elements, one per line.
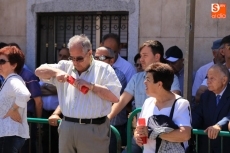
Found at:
<point>2,61</point>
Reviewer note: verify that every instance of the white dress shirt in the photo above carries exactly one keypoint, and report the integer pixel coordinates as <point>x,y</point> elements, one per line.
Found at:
<point>74,103</point>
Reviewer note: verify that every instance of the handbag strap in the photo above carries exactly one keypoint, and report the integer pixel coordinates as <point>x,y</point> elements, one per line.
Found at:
<point>173,106</point>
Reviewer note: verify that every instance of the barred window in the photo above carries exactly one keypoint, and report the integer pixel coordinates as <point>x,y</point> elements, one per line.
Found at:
<point>55,30</point>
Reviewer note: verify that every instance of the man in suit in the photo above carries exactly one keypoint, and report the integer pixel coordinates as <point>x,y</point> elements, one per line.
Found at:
<point>214,105</point>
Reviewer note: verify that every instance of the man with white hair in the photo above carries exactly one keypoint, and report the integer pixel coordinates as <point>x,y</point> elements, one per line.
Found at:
<point>84,127</point>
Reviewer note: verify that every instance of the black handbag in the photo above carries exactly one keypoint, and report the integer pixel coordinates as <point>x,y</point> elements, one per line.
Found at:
<point>191,146</point>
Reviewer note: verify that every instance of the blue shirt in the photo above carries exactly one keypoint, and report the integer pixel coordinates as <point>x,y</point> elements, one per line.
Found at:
<point>1,80</point>
<point>136,88</point>
<point>32,84</point>
<point>120,118</point>
<point>180,76</point>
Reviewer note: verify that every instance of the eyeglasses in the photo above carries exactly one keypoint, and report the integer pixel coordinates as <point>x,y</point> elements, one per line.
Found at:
<point>2,61</point>
<point>77,59</point>
<point>102,57</point>
<point>137,65</point>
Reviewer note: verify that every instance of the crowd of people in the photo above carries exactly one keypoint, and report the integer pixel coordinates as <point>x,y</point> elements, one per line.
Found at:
<point>89,91</point>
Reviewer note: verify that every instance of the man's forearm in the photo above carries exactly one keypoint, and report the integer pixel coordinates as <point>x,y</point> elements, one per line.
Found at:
<point>38,106</point>
<point>105,93</point>
<point>117,107</point>
<point>46,72</point>
<point>57,111</point>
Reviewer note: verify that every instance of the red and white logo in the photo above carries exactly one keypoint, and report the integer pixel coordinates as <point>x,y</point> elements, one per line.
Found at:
<point>218,10</point>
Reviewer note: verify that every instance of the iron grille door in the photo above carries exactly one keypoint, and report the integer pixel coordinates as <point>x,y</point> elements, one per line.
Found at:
<point>55,30</point>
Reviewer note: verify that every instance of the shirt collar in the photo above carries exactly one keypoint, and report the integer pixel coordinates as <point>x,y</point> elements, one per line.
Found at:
<point>116,64</point>
<point>221,93</point>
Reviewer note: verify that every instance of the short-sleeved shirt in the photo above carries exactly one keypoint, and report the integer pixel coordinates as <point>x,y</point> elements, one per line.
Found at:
<point>32,84</point>
<point>125,67</point>
<point>50,102</point>
<point>14,91</point>
<point>136,88</point>
<point>181,117</point>
<point>74,103</point>
<point>200,76</point>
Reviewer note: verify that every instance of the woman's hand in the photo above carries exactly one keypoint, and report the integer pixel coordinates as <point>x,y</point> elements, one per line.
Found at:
<point>141,131</point>
<point>14,115</point>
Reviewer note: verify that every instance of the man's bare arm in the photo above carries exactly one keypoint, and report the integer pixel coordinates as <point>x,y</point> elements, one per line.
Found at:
<point>46,72</point>
<point>117,107</point>
<point>38,106</point>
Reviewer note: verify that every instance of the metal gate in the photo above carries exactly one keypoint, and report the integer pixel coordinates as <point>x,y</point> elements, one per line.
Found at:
<point>55,30</point>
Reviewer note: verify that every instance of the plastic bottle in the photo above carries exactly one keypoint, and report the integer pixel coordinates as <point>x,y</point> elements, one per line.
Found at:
<point>141,122</point>
<point>71,80</point>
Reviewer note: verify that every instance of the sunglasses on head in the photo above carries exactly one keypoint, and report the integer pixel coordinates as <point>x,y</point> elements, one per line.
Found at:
<point>2,61</point>
<point>102,57</point>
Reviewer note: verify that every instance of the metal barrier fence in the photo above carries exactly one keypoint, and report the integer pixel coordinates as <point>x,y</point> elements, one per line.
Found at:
<point>194,131</point>
<point>45,121</point>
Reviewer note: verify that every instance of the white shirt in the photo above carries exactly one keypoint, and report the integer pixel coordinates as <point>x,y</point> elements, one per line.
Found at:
<point>75,104</point>
<point>125,67</point>
<point>14,91</point>
<point>181,117</point>
<point>200,76</point>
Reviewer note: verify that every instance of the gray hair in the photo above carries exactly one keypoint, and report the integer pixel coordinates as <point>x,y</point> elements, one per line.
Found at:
<point>80,39</point>
<point>111,52</point>
<point>223,69</point>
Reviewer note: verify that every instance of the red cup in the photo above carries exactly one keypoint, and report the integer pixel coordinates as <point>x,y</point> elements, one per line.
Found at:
<point>71,80</point>
<point>141,122</point>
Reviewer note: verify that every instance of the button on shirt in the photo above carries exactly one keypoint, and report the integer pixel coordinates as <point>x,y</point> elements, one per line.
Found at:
<point>74,103</point>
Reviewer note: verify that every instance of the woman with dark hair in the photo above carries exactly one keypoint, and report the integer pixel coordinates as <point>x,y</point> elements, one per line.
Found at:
<point>167,114</point>
<point>13,101</point>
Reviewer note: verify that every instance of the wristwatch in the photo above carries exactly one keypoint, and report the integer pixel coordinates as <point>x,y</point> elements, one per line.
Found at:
<point>92,85</point>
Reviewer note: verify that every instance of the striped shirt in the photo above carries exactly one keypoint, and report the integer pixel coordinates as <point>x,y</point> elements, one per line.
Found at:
<point>75,104</point>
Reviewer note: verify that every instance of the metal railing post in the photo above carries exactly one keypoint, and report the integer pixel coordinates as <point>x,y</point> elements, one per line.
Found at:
<point>45,121</point>
<point>129,127</point>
